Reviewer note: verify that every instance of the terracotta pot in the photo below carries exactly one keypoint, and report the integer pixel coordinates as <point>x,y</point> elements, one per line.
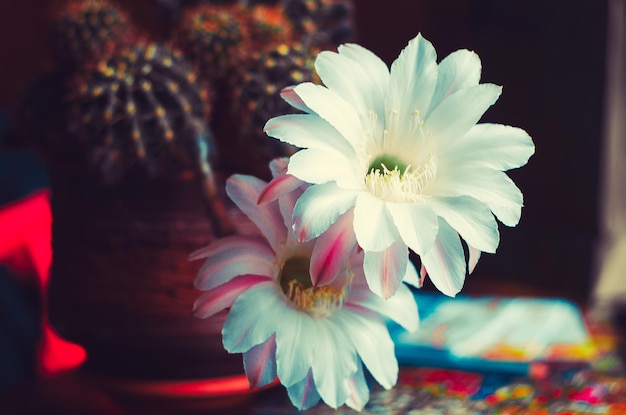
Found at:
<point>121,282</point>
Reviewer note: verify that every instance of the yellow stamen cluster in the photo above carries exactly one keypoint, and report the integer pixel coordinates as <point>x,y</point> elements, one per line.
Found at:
<point>316,301</point>
<point>401,186</point>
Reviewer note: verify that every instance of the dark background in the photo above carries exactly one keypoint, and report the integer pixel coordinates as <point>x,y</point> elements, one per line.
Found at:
<point>548,55</point>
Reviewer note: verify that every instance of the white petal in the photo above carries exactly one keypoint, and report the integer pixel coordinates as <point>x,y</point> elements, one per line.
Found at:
<point>318,208</point>
<point>458,70</point>
<point>295,340</point>
<point>459,112</point>
<point>348,79</point>
<point>411,277</point>
<point>253,318</point>
<point>374,345</point>
<point>233,256</point>
<point>303,395</point>
<point>497,146</point>
<point>332,108</point>
<point>260,363</point>
<point>308,131</point>
<point>492,187</point>
<point>360,392</point>
<point>401,307</point>
<point>411,85</point>
<point>373,224</point>
<point>471,219</point>
<point>245,191</point>
<point>445,261</point>
<point>321,166</point>
<point>416,223</point>
<point>385,269</point>
<point>334,362</point>
<point>332,250</point>
<point>377,71</point>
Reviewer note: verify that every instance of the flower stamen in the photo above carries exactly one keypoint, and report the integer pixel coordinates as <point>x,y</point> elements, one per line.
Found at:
<point>316,301</point>
<point>402,183</point>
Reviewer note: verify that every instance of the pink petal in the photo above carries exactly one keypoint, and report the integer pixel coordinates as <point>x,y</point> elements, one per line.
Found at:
<point>233,256</point>
<point>360,392</point>
<point>332,250</point>
<point>224,296</point>
<point>281,184</point>
<point>221,245</point>
<point>245,191</point>
<point>304,395</point>
<point>474,256</point>
<point>260,363</point>
<point>385,269</point>
<point>279,165</point>
<point>290,96</point>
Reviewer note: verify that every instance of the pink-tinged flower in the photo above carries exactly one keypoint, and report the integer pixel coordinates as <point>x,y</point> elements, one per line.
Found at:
<point>400,149</point>
<point>301,312</point>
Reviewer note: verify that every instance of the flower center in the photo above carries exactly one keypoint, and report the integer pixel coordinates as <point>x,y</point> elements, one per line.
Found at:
<point>390,179</point>
<point>295,282</point>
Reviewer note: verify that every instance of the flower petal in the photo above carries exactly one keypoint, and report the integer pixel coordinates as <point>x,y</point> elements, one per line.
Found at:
<point>318,208</point>
<point>260,363</point>
<point>332,250</point>
<point>290,96</point>
<point>359,391</point>
<point>445,261</point>
<point>373,223</point>
<point>231,256</point>
<point>459,112</point>
<point>321,166</point>
<point>385,269</point>
<point>412,277</point>
<point>332,108</point>
<point>471,219</point>
<point>334,362</point>
<point>245,191</point>
<point>401,307</point>
<point>253,317</point>
<point>458,70</point>
<point>496,146</point>
<point>295,340</point>
<point>411,84</point>
<point>349,80</point>
<point>279,165</point>
<point>492,187</point>
<point>308,131</point>
<point>279,185</point>
<point>416,224</point>
<point>377,71</point>
<point>217,299</point>
<point>369,334</point>
<point>474,256</point>
<point>303,394</point>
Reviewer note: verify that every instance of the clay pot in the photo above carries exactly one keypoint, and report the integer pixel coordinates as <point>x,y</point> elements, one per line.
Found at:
<point>121,282</point>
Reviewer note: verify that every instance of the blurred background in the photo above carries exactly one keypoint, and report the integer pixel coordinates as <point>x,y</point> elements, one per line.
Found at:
<point>550,58</point>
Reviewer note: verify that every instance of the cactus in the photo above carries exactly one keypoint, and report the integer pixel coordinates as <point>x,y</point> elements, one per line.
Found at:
<point>325,23</point>
<point>257,99</point>
<point>141,108</point>
<point>215,38</point>
<point>86,30</point>
<point>268,26</point>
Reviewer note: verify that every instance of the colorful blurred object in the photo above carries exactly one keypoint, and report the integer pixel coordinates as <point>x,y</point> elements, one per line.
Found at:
<point>25,248</point>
